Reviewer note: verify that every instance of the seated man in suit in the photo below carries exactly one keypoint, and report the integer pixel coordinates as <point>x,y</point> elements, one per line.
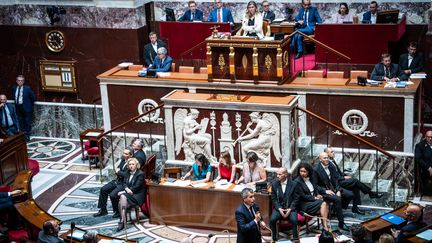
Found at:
<point>221,14</point>
<point>8,117</point>
<point>423,159</point>
<point>370,16</point>
<point>267,13</point>
<point>162,62</point>
<point>248,219</point>
<point>151,48</point>
<point>351,184</point>
<point>307,18</point>
<point>6,199</point>
<point>411,62</point>
<point>327,178</point>
<point>49,232</point>
<point>387,71</point>
<point>138,152</point>
<point>284,198</point>
<point>414,218</point>
<point>107,189</point>
<point>193,14</point>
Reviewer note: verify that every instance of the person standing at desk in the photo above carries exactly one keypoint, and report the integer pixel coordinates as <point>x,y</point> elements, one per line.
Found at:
<point>220,14</point>
<point>8,117</point>
<point>193,14</point>
<point>24,98</point>
<point>248,219</point>
<point>162,62</point>
<point>150,50</point>
<point>307,18</point>
<point>411,62</point>
<point>252,21</point>
<point>370,16</point>
<point>267,13</point>
<point>423,159</point>
<point>387,71</point>
<point>343,15</point>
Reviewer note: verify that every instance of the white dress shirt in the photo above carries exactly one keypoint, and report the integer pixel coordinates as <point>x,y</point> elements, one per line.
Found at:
<point>283,185</point>
<point>309,185</point>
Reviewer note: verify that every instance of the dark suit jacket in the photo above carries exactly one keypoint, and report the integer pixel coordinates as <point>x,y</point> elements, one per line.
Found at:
<point>226,16</point>
<point>140,156</point>
<point>423,155</point>
<point>150,54</point>
<point>28,97</point>
<point>416,64</point>
<point>247,230</point>
<point>270,15</point>
<point>122,173</point>
<point>409,230</point>
<point>367,17</point>
<point>303,192</point>
<point>339,171</point>
<point>158,66</point>
<point>320,178</point>
<point>313,17</point>
<point>12,113</point>
<point>136,185</point>
<point>187,16</point>
<point>284,200</point>
<point>395,72</point>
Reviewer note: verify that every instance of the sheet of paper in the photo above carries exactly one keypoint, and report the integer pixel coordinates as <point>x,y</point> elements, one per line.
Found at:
<point>309,240</point>
<point>179,183</point>
<point>418,75</point>
<point>93,134</point>
<point>427,235</point>
<point>238,188</point>
<point>222,186</point>
<point>163,74</point>
<point>202,184</point>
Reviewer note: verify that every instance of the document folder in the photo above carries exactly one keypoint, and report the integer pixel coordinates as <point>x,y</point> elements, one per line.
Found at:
<point>393,218</point>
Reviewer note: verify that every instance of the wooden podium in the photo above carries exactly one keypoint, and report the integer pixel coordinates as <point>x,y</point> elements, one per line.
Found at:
<point>247,60</point>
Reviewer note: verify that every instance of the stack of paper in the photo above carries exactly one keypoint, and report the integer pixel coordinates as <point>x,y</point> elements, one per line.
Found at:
<point>202,184</point>
<point>238,188</point>
<point>426,235</point>
<point>179,183</point>
<point>418,75</point>
<point>222,184</point>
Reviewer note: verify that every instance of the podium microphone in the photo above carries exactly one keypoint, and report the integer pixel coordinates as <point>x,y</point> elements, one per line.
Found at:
<point>72,230</point>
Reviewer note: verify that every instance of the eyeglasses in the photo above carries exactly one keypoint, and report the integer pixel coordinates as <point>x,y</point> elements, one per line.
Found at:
<point>266,6</point>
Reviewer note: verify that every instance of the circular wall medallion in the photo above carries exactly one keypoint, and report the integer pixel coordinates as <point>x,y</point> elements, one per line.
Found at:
<point>146,105</point>
<point>355,121</point>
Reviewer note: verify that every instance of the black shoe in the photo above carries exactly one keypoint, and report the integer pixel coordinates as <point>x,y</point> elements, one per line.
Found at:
<point>343,227</point>
<point>101,212</point>
<point>298,55</point>
<point>376,195</point>
<point>120,226</point>
<point>116,215</point>
<point>358,211</point>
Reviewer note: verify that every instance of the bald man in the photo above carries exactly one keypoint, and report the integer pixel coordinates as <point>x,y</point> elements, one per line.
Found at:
<point>284,198</point>
<point>414,216</point>
<point>49,232</point>
<point>423,159</point>
<point>327,178</point>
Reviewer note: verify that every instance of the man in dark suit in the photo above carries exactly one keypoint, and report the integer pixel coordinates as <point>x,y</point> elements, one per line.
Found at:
<point>387,71</point>
<point>284,198</point>
<point>248,219</point>
<point>411,62</point>
<point>138,153</point>
<point>8,117</point>
<point>162,62</point>
<point>108,188</point>
<point>24,98</point>
<point>221,14</point>
<point>414,218</point>
<point>267,13</point>
<point>326,176</point>
<point>151,48</point>
<point>423,159</point>
<point>49,233</point>
<point>351,184</point>
<point>6,199</point>
<point>370,16</point>
<point>307,18</point>
<point>193,14</point>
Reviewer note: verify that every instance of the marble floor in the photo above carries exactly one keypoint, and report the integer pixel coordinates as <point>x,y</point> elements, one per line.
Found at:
<point>68,189</point>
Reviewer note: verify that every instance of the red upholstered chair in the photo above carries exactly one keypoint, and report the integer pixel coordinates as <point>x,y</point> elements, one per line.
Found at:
<point>33,166</point>
<point>149,167</point>
<point>5,188</point>
<point>93,153</point>
<point>285,225</point>
<point>17,235</point>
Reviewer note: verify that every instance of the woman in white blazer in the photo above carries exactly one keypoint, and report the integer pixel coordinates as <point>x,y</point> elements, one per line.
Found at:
<point>252,21</point>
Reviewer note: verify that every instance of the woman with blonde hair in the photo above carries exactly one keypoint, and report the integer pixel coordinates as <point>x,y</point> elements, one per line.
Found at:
<point>386,238</point>
<point>252,21</point>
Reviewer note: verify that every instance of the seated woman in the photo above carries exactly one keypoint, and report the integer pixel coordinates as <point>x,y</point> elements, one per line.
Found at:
<point>343,14</point>
<point>310,195</point>
<point>201,170</point>
<point>133,192</point>
<point>226,168</point>
<point>252,171</point>
<point>252,21</point>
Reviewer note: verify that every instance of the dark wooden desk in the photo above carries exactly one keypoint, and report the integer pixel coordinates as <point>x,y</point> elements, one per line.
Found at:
<point>92,135</point>
<point>200,207</point>
<point>284,27</point>
<point>22,182</point>
<point>13,158</point>
<point>100,237</point>
<point>377,226</point>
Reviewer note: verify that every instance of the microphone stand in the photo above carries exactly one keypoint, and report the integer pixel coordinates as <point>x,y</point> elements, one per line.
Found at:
<point>72,230</point>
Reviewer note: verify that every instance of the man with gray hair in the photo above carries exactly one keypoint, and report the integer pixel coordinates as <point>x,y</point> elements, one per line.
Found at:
<point>162,62</point>
<point>248,219</point>
<point>90,236</point>
<point>151,48</point>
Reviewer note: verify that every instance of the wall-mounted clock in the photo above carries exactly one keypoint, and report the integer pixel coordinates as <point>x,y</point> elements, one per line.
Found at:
<point>55,40</point>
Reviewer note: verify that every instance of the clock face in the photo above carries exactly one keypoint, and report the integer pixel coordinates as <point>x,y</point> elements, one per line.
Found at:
<point>55,40</point>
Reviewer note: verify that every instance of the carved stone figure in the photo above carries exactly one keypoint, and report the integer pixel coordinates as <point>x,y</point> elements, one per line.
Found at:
<point>264,137</point>
<point>195,139</point>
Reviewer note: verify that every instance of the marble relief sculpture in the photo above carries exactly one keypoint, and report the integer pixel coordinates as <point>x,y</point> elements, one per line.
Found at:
<point>263,138</point>
<point>195,139</point>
